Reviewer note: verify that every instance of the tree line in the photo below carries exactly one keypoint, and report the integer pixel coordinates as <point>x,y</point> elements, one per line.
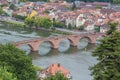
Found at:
<point>111,1</point>
<point>42,22</point>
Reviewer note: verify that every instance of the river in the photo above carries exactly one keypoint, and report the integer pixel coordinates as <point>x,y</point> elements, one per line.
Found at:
<point>76,59</point>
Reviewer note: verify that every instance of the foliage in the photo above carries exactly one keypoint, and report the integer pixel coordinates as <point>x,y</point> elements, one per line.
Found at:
<point>116,1</point>
<point>33,0</point>
<point>46,11</point>
<point>17,62</point>
<point>81,27</point>
<point>58,76</point>
<point>1,11</point>
<point>12,6</point>
<point>5,75</point>
<point>30,21</point>
<point>112,1</point>
<point>74,6</point>
<point>112,28</point>
<point>44,22</point>
<point>58,24</point>
<point>108,55</point>
<point>37,68</point>
<point>20,17</point>
<point>99,7</point>
<point>70,26</point>
<point>97,29</point>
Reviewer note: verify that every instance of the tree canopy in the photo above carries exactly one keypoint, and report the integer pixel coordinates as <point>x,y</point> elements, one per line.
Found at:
<point>1,11</point>
<point>44,22</point>
<point>5,75</point>
<point>108,55</point>
<point>17,62</point>
<point>112,1</point>
<point>112,28</point>
<point>58,76</point>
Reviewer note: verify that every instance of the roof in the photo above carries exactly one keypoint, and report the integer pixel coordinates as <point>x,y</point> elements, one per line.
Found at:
<point>54,68</point>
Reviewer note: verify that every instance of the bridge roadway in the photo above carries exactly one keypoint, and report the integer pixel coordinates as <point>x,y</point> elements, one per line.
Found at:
<point>55,41</point>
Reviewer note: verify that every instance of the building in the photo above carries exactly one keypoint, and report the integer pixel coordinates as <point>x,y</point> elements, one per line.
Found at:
<point>52,70</point>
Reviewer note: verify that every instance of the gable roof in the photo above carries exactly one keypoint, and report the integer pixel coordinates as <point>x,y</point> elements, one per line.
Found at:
<point>54,68</point>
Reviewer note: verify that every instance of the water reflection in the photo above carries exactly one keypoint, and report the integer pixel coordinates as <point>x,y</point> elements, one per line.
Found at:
<point>64,45</point>
<point>25,48</point>
<point>82,43</point>
<point>55,52</point>
<point>44,48</point>
<point>99,38</point>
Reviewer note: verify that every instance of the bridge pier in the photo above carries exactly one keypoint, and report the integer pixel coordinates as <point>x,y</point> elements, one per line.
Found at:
<point>34,50</point>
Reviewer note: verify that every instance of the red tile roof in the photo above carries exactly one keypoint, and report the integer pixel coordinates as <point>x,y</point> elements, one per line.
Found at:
<point>54,68</point>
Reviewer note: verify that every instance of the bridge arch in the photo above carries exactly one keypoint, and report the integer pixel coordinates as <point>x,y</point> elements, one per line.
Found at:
<point>31,46</point>
<point>71,41</point>
<point>87,37</point>
<point>63,45</point>
<point>26,47</point>
<point>52,44</point>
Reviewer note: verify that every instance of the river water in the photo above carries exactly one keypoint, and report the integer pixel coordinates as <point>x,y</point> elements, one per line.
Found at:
<point>76,59</point>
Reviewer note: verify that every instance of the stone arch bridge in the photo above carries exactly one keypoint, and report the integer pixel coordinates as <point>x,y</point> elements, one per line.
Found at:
<point>55,41</point>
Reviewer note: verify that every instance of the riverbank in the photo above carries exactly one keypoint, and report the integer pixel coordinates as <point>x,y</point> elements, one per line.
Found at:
<point>22,24</point>
<point>13,22</point>
<point>50,30</point>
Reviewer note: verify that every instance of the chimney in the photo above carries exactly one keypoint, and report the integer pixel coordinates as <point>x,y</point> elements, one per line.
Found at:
<point>52,65</point>
<point>58,64</point>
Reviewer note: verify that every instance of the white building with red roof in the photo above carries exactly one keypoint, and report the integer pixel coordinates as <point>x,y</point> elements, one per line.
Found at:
<point>53,69</point>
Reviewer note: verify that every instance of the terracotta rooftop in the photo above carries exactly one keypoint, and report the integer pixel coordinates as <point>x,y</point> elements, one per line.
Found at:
<point>54,68</point>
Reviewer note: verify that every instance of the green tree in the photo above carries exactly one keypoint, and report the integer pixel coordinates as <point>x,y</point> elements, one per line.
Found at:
<point>19,17</point>
<point>112,28</point>
<point>5,75</point>
<point>17,62</point>
<point>116,1</point>
<point>1,11</point>
<point>46,11</point>
<point>108,55</point>
<point>70,26</point>
<point>46,23</point>
<point>43,22</point>
<point>47,0</point>
<point>30,21</point>
<point>58,24</point>
<point>74,6</point>
<point>22,0</point>
<point>58,76</point>
<point>81,27</point>
<point>37,22</point>
<point>12,6</point>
